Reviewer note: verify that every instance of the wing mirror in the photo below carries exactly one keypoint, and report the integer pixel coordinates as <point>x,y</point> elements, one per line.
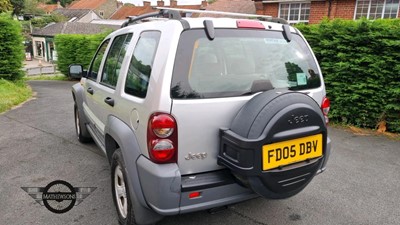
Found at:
<point>76,71</point>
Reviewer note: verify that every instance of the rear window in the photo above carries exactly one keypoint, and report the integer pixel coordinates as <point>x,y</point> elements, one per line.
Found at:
<point>239,62</point>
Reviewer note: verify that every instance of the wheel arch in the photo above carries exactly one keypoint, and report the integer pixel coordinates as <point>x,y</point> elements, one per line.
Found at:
<point>77,95</point>
<point>120,136</point>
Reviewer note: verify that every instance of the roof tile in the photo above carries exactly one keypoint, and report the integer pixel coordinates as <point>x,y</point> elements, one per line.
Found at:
<point>235,6</point>
<point>86,4</point>
<point>72,28</point>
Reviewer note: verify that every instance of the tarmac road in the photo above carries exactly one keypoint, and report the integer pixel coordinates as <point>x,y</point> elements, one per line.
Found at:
<point>38,145</point>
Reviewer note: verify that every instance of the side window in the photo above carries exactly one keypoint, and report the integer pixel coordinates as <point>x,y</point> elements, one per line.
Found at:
<point>94,68</point>
<point>114,60</point>
<point>141,64</point>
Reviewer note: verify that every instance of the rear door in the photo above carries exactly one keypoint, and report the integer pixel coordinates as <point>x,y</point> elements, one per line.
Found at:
<point>103,97</point>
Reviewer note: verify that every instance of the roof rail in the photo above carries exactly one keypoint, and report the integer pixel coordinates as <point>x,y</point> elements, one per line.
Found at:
<point>167,13</point>
<point>256,16</point>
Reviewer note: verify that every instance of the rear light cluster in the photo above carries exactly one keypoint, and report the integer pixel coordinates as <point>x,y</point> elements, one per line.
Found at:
<point>162,138</point>
<point>325,106</point>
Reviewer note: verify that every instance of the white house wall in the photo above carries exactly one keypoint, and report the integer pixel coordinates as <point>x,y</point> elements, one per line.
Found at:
<point>42,40</point>
<point>89,17</point>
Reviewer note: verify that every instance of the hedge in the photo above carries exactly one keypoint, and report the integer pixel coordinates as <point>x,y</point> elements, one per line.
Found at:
<point>11,48</point>
<point>360,61</point>
<point>76,49</point>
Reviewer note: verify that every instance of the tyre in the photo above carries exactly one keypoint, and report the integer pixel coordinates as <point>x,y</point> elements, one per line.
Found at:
<point>80,128</point>
<point>276,143</point>
<point>120,190</point>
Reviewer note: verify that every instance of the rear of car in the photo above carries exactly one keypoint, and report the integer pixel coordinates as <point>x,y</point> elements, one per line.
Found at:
<point>203,113</point>
<point>220,66</point>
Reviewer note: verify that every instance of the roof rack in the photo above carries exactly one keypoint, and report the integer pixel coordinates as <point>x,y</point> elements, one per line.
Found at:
<point>174,13</point>
<point>166,13</point>
<point>255,16</point>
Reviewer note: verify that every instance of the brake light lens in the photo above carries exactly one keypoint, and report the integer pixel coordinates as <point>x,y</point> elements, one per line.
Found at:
<point>249,24</point>
<point>162,138</point>
<point>325,106</point>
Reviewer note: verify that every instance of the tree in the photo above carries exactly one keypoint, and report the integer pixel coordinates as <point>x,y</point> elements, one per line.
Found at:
<point>5,6</point>
<point>44,20</point>
<point>31,7</point>
<point>18,6</point>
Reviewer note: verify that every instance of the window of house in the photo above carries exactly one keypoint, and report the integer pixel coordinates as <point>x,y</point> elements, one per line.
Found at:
<point>376,9</point>
<point>295,12</point>
<point>101,13</point>
<point>94,68</point>
<point>141,64</point>
<point>114,60</point>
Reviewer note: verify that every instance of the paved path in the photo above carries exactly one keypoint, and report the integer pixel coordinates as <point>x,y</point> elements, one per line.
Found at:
<point>38,145</point>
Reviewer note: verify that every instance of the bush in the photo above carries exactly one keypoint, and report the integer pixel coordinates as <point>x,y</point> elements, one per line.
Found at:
<point>11,48</point>
<point>76,49</point>
<point>360,61</point>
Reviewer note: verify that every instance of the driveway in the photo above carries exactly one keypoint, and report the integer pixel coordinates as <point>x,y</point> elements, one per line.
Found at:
<point>38,145</point>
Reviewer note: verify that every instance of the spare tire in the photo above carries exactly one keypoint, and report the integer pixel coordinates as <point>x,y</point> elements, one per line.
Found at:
<point>276,143</point>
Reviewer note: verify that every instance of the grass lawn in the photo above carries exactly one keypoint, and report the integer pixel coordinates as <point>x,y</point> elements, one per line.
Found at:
<point>46,77</point>
<point>13,93</point>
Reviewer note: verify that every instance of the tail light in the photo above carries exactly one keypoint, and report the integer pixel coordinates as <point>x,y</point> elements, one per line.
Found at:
<point>325,106</point>
<point>162,138</point>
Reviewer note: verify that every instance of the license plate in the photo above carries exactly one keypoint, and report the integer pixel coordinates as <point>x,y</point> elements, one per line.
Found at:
<point>292,151</point>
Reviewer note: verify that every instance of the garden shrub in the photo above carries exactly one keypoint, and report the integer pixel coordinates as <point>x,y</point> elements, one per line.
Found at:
<point>11,48</point>
<point>76,49</point>
<point>360,61</point>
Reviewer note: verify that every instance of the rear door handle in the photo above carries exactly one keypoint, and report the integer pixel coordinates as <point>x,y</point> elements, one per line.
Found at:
<point>90,91</point>
<point>109,101</point>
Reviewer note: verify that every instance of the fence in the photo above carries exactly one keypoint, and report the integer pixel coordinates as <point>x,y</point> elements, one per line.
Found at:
<point>41,70</point>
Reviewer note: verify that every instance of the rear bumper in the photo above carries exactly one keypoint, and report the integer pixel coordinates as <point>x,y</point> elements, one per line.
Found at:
<point>167,192</point>
<point>327,154</point>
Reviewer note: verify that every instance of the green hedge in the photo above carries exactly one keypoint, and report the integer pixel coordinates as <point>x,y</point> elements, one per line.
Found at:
<point>76,49</point>
<point>360,61</point>
<point>11,48</point>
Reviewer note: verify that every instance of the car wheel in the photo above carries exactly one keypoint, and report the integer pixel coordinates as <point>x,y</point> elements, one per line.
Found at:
<point>120,190</point>
<point>79,128</point>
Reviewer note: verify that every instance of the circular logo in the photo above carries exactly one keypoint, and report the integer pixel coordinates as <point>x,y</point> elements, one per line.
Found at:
<point>59,196</point>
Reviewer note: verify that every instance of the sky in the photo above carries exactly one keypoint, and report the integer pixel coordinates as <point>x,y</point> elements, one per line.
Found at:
<point>166,2</point>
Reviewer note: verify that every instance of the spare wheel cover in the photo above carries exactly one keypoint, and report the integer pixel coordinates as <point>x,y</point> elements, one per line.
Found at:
<point>272,117</point>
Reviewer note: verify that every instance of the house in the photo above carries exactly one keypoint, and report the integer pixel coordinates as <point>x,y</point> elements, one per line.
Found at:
<point>130,10</point>
<point>233,6</point>
<point>78,15</point>
<point>313,11</point>
<point>103,8</point>
<point>43,39</point>
<point>49,8</point>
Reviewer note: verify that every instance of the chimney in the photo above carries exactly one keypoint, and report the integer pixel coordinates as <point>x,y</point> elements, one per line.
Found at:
<point>146,3</point>
<point>160,3</point>
<point>173,3</point>
<point>203,4</point>
<point>119,4</point>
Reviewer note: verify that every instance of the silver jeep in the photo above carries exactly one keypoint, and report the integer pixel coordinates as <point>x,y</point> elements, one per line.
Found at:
<point>199,113</point>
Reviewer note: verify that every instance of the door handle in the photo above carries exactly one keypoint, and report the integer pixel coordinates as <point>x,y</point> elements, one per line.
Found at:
<point>109,101</point>
<point>90,91</point>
